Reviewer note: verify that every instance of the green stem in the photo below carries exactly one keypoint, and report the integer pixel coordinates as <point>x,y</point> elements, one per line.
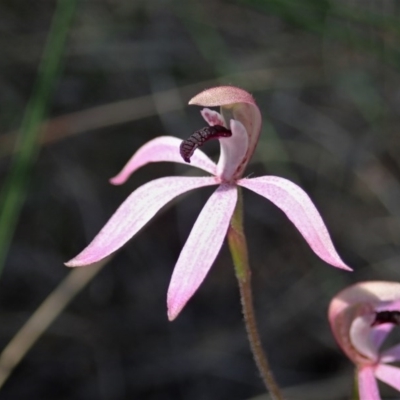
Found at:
<point>14,190</point>
<point>355,395</point>
<point>238,247</point>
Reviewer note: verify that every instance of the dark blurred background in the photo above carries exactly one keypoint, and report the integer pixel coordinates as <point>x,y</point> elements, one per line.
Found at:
<point>325,74</point>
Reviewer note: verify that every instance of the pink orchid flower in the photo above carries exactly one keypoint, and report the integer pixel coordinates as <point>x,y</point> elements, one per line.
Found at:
<point>361,317</point>
<point>237,127</point>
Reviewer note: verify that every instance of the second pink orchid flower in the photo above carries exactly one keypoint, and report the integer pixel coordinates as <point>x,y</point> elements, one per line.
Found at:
<point>240,114</point>
<point>361,317</point>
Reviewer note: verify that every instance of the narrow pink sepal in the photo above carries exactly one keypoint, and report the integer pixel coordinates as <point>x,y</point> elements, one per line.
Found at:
<point>299,208</point>
<point>163,148</point>
<point>134,213</point>
<point>389,375</point>
<point>391,355</point>
<point>367,385</point>
<point>222,96</point>
<point>201,248</point>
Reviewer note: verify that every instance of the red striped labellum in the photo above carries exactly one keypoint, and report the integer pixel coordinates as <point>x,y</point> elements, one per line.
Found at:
<point>198,138</point>
<point>383,317</point>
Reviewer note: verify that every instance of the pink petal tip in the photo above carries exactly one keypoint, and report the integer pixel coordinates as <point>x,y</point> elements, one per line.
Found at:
<point>299,208</point>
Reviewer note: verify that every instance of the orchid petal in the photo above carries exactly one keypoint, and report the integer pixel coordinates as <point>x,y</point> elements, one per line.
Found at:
<point>235,104</point>
<point>379,334</point>
<point>367,385</point>
<point>299,208</point>
<point>360,335</point>
<point>163,148</point>
<point>233,150</point>
<point>374,293</point>
<point>213,117</point>
<point>346,333</point>
<point>389,305</point>
<point>201,248</point>
<point>388,374</point>
<point>134,213</point>
<point>391,355</point>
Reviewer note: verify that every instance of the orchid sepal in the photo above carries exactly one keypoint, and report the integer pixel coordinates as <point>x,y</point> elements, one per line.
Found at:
<point>162,148</point>
<point>134,213</point>
<point>299,208</point>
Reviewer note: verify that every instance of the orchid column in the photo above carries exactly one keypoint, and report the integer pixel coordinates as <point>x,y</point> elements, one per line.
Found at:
<point>237,127</point>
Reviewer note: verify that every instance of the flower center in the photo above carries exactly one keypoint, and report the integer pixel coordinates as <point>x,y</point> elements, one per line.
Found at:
<point>383,317</point>
<point>198,138</point>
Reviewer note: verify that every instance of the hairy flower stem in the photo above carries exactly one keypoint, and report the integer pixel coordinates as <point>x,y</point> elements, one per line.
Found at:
<point>355,394</point>
<point>238,247</point>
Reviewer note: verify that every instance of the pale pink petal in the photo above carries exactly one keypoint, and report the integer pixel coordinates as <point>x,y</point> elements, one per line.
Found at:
<point>235,104</point>
<point>201,248</point>
<point>388,305</point>
<point>134,213</point>
<point>213,117</point>
<point>360,336</point>
<point>373,293</point>
<point>391,355</point>
<point>379,334</point>
<point>163,148</point>
<point>352,334</point>
<point>389,375</point>
<point>367,385</point>
<point>299,208</point>
<point>233,150</point>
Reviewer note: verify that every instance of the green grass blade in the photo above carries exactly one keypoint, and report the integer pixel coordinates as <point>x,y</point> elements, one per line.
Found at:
<point>14,190</point>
